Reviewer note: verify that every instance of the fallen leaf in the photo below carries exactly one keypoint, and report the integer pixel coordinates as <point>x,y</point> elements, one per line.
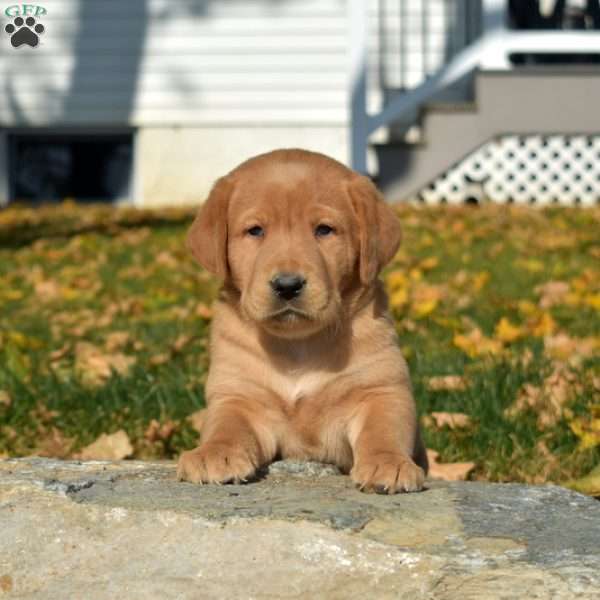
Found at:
<point>114,446</point>
<point>157,431</point>
<point>204,311</point>
<point>399,298</point>
<point>461,278</point>
<point>166,259</point>
<point>431,262</point>
<point>552,293</point>
<point>527,307</point>
<point>181,342</point>
<point>59,353</point>
<point>425,298</point>
<point>395,280</point>
<point>590,484</point>
<point>422,309</point>
<point>54,444</point>
<point>196,419</point>
<point>480,280</point>
<point>549,400</point>
<point>587,428</point>
<point>117,340</point>
<point>95,366</point>
<point>507,332</point>
<point>5,399</point>
<point>447,471</point>
<point>447,382</point>
<point>592,300</point>
<point>531,264</point>
<point>475,343</point>
<point>46,290</point>
<point>565,348</point>
<point>542,325</point>
<point>438,420</point>
<point>160,359</point>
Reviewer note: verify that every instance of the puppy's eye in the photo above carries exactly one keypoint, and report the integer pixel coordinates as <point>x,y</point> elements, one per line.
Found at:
<point>322,230</point>
<point>256,231</point>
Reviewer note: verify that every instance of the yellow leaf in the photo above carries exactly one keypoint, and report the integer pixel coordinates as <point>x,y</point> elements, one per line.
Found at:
<point>422,309</point>
<point>447,322</point>
<point>590,484</point>
<point>587,429</point>
<point>543,325</point>
<point>527,307</point>
<point>572,299</point>
<point>507,332</point>
<point>426,240</point>
<point>395,280</point>
<point>475,343</point>
<point>480,280</point>
<point>12,294</point>
<point>431,262</point>
<point>592,300</point>
<point>399,298</point>
<point>532,265</point>
<point>23,341</point>
<point>70,293</point>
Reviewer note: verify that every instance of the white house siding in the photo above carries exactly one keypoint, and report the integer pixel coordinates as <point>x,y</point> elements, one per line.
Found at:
<point>205,83</point>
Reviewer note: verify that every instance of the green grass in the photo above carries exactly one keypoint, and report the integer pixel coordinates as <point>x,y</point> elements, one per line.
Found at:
<point>70,275</point>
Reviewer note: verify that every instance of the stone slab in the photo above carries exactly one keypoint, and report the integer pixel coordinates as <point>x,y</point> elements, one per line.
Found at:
<point>100,530</point>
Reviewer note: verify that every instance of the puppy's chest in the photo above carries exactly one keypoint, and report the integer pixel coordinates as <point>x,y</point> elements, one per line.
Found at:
<point>294,387</point>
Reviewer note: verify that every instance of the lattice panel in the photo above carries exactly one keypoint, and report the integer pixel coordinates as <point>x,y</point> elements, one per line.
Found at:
<point>530,169</point>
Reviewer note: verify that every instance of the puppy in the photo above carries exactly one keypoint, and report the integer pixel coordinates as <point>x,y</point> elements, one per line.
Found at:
<point>304,359</point>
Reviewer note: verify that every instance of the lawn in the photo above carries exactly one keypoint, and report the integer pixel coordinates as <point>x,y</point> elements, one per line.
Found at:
<point>104,320</point>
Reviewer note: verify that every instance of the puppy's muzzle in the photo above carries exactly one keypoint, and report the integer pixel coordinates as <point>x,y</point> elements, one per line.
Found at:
<point>287,286</point>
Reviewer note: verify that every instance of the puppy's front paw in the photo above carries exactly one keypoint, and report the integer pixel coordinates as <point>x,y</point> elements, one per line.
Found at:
<point>387,473</point>
<point>216,463</point>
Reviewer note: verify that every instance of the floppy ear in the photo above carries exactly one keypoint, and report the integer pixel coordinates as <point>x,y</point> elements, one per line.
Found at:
<point>378,228</point>
<point>207,237</point>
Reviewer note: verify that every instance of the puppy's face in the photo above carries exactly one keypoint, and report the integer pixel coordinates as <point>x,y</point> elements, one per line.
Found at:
<point>293,232</point>
<point>292,249</point>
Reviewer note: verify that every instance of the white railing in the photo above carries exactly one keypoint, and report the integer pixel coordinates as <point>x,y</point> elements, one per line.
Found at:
<point>491,51</point>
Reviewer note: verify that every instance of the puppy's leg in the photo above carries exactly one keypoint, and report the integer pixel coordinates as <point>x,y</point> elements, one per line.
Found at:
<point>237,438</point>
<point>385,441</point>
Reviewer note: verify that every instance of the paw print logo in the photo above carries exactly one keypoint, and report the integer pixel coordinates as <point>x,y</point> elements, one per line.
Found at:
<point>24,31</point>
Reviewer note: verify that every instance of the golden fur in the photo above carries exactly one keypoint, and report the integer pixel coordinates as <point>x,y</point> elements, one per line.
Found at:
<point>318,376</point>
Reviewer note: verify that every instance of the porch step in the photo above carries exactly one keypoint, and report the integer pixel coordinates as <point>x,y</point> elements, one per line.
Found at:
<point>523,101</point>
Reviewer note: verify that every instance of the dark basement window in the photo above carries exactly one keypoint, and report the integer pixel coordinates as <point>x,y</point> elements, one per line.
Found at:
<point>51,167</point>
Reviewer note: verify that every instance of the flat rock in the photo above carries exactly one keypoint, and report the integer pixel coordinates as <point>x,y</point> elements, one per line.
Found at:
<point>105,530</point>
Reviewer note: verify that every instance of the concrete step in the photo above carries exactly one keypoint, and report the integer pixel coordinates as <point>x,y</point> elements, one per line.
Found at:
<point>542,101</point>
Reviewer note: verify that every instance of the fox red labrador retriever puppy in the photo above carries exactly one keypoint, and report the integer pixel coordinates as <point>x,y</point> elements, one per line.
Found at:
<point>304,359</point>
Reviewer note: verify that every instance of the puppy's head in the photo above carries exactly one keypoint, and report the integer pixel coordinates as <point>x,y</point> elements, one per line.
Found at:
<point>294,232</point>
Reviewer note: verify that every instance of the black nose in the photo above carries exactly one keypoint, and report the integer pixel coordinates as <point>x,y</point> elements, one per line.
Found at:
<point>287,285</point>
